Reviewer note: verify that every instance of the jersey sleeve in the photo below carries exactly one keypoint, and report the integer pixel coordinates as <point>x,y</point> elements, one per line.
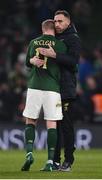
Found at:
<point>29,55</point>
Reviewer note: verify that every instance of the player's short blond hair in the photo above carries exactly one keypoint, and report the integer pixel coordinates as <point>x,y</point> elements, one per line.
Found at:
<point>48,24</point>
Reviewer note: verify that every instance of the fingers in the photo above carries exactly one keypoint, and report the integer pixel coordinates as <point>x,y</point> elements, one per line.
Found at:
<point>36,61</point>
<point>42,51</point>
<point>48,52</point>
<point>50,46</point>
<point>39,63</point>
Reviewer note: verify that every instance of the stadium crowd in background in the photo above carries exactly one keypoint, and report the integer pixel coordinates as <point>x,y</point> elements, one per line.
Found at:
<point>22,22</point>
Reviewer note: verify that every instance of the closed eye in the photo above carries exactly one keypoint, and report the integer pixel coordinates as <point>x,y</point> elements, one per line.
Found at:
<point>59,21</point>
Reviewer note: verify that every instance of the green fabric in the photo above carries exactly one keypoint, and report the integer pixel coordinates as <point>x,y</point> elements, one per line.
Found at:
<point>46,77</point>
<point>29,137</point>
<point>51,142</point>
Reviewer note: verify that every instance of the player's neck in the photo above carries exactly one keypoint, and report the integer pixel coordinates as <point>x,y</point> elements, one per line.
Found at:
<point>49,33</point>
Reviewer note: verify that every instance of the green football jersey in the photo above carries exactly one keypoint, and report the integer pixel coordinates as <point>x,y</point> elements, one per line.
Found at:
<point>46,77</point>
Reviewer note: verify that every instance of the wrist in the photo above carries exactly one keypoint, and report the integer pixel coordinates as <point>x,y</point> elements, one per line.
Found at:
<point>54,55</point>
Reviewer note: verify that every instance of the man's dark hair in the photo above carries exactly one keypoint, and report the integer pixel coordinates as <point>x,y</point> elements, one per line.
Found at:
<point>48,24</point>
<point>64,12</point>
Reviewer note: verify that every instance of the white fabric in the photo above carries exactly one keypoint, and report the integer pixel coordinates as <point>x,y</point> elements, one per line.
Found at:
<point>49,100</point>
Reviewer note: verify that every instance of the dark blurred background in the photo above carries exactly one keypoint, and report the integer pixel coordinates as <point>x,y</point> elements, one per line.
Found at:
<point>20,21</point>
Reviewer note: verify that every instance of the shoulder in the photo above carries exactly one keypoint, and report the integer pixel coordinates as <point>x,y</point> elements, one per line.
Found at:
<point>72,36</point>
<point>72,40</point>
<point>36,39</point>
<point>33,42</point>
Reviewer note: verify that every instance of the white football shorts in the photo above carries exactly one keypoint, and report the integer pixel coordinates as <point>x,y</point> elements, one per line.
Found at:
<point>49,100</point>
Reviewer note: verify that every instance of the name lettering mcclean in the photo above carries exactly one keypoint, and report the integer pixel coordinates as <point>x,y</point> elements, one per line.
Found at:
<point>44,43</point>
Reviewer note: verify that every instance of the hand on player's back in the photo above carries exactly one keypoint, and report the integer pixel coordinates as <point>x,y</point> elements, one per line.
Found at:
<point>36,61</point>
<point>48,52</point>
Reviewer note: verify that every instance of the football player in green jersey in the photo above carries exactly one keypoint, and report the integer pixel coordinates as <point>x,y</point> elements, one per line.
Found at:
<point>43,91</point>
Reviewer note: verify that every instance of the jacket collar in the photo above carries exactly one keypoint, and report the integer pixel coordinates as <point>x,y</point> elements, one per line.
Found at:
<point>70,30</point>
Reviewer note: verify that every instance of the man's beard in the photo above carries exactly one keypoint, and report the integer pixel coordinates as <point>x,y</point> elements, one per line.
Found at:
<point>58,31</point>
